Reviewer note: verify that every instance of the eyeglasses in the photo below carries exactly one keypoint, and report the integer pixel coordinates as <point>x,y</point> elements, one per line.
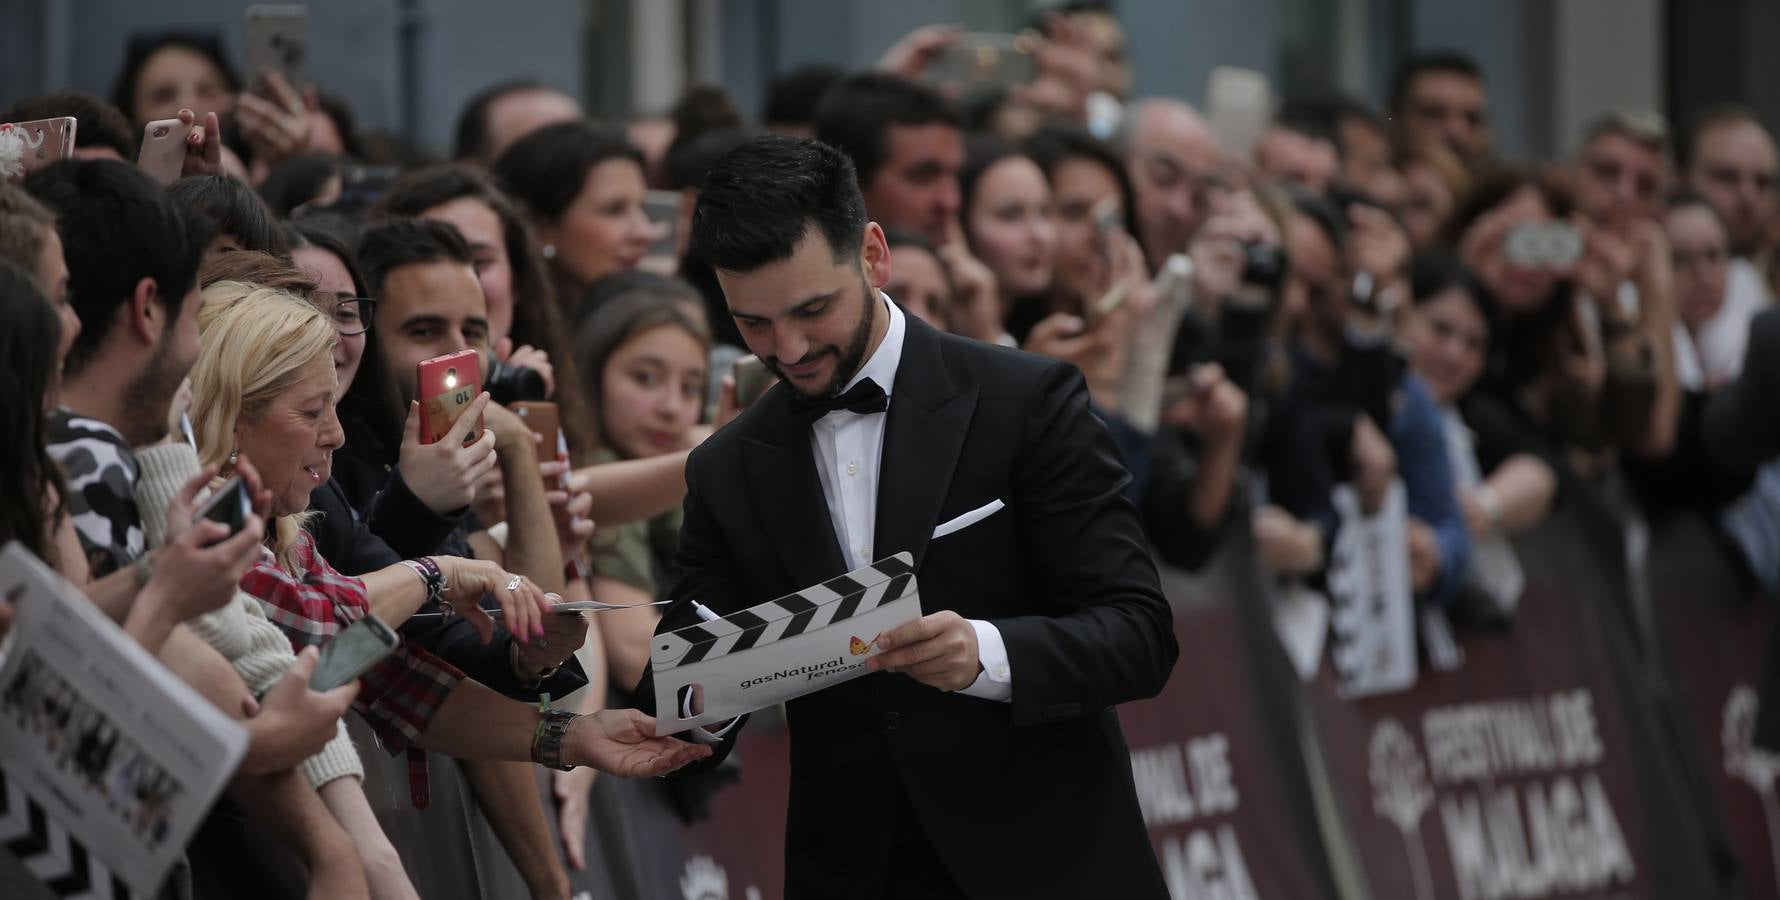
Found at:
<point>352,315</point>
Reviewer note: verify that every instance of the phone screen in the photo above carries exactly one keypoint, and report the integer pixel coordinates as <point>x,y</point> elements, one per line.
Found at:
<point>356,648</point>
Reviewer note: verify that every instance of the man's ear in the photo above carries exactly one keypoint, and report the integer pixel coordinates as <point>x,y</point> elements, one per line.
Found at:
<point>146,311</point>
<point>874,256</point>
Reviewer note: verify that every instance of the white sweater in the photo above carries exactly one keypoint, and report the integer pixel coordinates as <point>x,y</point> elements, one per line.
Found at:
<point>240,631</point>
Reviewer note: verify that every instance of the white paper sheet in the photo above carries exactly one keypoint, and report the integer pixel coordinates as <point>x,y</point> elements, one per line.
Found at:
<point>121,757</point>
<point>1369,585</point>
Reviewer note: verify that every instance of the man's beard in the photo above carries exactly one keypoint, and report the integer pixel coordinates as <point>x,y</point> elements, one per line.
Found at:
<point>147,399</point>
<point>848,361</point>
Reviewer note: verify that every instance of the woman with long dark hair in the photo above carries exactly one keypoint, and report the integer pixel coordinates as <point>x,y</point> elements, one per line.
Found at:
<point>33,494</point>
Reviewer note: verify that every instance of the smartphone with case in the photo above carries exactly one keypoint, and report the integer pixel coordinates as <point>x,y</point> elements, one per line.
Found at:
<point>278,41</point>
<point>752,378</point>
<point>545,421</point>
<point>357,647</point>
<point>26,147</point>
<point>1238,106</point>
<point>229,505</point>
<point>448,384</point>
<point>162,156</point>
<point>987,59</point>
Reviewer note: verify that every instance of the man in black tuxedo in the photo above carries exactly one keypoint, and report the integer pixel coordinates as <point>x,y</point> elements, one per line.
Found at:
<point>982,757</point>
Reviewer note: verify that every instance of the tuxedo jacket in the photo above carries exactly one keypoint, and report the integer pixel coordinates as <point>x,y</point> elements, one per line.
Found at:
<point>1031,798</point>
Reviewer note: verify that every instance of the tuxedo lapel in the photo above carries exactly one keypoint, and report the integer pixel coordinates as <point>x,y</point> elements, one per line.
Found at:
<point>929,417</point>
<point>783,486</point>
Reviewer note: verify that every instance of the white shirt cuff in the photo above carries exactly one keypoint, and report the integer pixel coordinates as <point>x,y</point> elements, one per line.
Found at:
<point>997,679</point>
<point>701,734</point>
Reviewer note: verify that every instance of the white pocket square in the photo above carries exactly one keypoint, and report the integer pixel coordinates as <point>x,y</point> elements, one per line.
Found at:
<point>968,519</point>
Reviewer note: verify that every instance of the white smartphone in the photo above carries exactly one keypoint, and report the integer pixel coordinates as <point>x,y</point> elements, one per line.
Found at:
<point>162,155</point>
<point>1238,106</point>
<point>278,41</point>
<point>357,647</point>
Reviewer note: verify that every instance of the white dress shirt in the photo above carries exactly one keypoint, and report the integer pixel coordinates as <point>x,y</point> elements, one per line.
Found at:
<point>849,449</point>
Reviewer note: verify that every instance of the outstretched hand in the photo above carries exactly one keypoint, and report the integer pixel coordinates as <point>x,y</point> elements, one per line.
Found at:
<point>623,742</point>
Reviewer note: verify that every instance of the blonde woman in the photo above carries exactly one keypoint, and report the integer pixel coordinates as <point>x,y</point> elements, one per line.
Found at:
<point>264,387</point>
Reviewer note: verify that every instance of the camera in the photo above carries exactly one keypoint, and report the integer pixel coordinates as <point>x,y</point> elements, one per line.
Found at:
<point>1263,265</point>
<point>508,384</point>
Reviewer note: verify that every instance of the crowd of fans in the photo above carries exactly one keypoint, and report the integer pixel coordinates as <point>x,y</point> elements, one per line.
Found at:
<point>1365,296</point>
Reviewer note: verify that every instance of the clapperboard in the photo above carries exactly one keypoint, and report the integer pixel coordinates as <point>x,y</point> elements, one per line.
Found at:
<point>781,649</point>
<point>108,762</point>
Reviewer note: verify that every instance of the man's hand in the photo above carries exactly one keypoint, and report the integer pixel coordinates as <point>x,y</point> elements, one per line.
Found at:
<point>293,722</point>
<point>444,474</point>
<point>1286,545</point>
<point>623,742</point>
<point>563,635</point>
<point>571,790</point>
<point>910,56</point>
<point>938,650</point>
<point>529,357</point>
<point>1424,555</point>
<point>1374,464</point>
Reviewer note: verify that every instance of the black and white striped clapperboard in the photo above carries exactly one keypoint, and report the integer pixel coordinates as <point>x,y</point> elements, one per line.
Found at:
<point>782,649</point>
<point>57,859</point>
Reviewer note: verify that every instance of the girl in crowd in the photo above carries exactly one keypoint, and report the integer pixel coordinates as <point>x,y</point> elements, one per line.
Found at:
<point>1503,475</point>
<point>919,280</point>
<point>264,385</point>
<point>1009,224</point>
<point>583,186</point>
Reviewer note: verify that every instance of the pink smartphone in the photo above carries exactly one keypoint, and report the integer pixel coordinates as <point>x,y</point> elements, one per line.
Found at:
<point>162,155</point>
<point>28,146</point>
<point>448,384</point>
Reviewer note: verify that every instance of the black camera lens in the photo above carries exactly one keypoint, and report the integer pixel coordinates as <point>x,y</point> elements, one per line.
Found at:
<point>513,384</point>
<point>1263,265</point>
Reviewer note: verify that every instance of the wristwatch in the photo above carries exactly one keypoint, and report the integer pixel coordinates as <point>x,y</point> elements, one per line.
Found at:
<point>532,677</point>
<point>547,739</point>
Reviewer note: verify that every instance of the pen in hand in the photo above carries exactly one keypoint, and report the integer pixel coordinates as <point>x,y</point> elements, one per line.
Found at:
<point>704,612</point>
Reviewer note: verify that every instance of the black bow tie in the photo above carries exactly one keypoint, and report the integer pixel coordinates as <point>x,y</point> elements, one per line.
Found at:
<point>863,398</point>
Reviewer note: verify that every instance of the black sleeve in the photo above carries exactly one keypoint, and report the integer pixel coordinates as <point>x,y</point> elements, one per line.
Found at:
<point>1173,473</point>
<point>409,527</point>
<point>1114,642</point>
<point>456,641</point>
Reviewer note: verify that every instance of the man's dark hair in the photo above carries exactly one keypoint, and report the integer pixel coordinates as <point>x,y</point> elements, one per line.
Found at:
<point>1433,272</point>
<point>394,243</point>
<point>1717,115</point>
<point>547,169</point>
<point>1324,214</point>
<point>1452,62</point>
<point>761,198</point>
<point>143,47</point>
<point>856,114</point>
<point>96,123</point>
<point>472,140</point>
<point>118,227</point>
<point>235,210</point>
<point>792,98</point>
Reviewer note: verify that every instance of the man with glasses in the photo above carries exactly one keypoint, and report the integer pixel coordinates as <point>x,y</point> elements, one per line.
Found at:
<point>1174,162</point>
<point>1732,162</point>
<point>1622,169</point>
<point>1439,98</point>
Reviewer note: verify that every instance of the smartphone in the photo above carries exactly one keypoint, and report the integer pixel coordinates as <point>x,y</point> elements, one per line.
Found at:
<point>545,421</point>
<point>987,58</point>
<point>1238,106</point>
<point>448,384</point>
<point>229,505</point>
<point>663,210</point>
<point>278,41</point>
<point>26,147</point>
<point>752,378</point>
<point>357,647</point>
<point>162,155</point>
<point>1543,245</point>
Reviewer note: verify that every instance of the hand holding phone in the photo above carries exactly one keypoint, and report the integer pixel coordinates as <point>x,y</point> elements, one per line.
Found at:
<point>356,648</point>
<point>278,41</point>
<point>230,505</point>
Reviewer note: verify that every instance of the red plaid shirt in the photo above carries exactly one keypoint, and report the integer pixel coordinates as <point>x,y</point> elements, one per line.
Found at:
<point>399,696</point>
